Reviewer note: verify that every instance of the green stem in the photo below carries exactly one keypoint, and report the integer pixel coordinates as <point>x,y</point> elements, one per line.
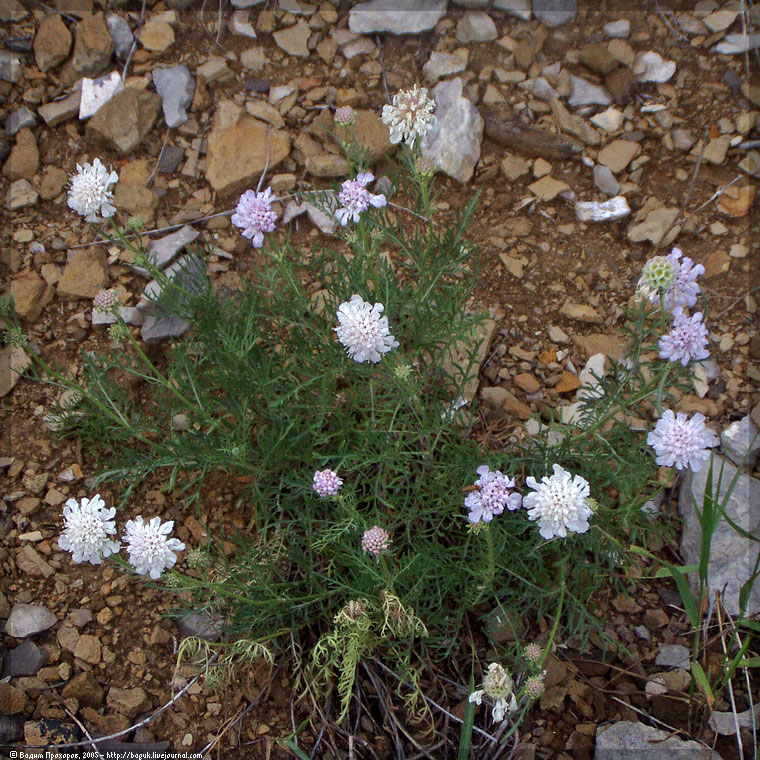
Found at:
<point>555,626</point>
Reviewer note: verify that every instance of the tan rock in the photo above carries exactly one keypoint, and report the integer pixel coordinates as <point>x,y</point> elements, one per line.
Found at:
<point>574,125</point>
<point>547,188</point>
<point>715,150</point>
<point>88,649</point>
<point>12,699</point>
<point>52,42</point>
<point>654,226</point>
<point>369,132</point>
<point>128,702</point>
<point>85,274</point>
<point>237,153</point>
<point>93,45</point>
<point>53,182</point>
<point>27,291</point>
<point>327,165</point>
<point>718,262</point>
<point>136,200</point>
<point>516,408</point>
<point>30,562</point>
<point>105,724</point>
<point>581,313</point>
<point>85,689</point>
<point>612,346</point>
<point>293,39</point>
<point>618,154</point>
<point>527,382</point>
<point>567,383</point>
<point>124,122</point>
<point>458,357</point>
<point>24,159</point>
<point>13,362</point>
<point>156,36</point>
<point>513,167</point>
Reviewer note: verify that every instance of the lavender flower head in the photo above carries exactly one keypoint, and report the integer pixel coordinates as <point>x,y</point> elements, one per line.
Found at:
<point>681,442</point>
<point>326,483</point>
<point>499,687</point>
<point>89,195</point>
<point>559,503</point>
<point>365,334</point>
<point>376,540</point>
<point>105,301</point>
<point>345,116</point>
<point>254,215</point>
<point>687,339</point>
<point>534,686</point>
<point>672,277</point>
<point>533,653</point>
<point>356,199</point>
<point>410,116</point>
<point>87,525</point>
<point>492,496</point>
<point>150,549</point>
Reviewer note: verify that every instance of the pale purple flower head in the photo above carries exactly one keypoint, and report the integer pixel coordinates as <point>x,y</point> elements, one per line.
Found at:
<point>559,503</point>
<point>681,442</point>
<point>375,540</point>
<point>356,199</point>
<point>345,116</point>
<point>326,483</point>
<point>492,496</point>
<point>534,686</point>
<point>86,527</point>
<point>363,331</point>
<point>687,339</point>
<point>105,300</point>
<point>674,278</point>
<point>254,215</point>
<point>150,549</point>
<point>533,653</point>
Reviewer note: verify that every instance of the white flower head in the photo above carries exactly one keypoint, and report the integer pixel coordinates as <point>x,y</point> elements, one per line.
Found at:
<point>365,334</point>
<point>681,442</point>
<point>86,527</point>
<point>500,688</point>
<point>410,116</point>
<point>88,192</point>
<point>149,547</point>
<point>356,199</point>
<point>559,503</point>
<point>492,496</point>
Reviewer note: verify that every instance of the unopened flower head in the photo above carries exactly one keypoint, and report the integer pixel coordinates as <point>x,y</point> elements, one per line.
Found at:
<point>89,195</point>
<point>559,503</point>
<point>326,483</point>
<point>118,332</point>
<point>499,687</point>
<point>533,653</point>
<point>150,549</point>
<point>345,116</point>
<point>410,116</point>
<point>86,527</point>
<point>493,494</point>
<point>425,167</point>
<point>671,278</point>
<point>254,215</point>
<point>534,686</point>
<point>375,540</point>
<point>363,331</point>
<point>356,199</point>
<point>681,442</point>
<point>687,339</point>
<point>353,611</point>
<point>105,300</point>
<point>14,337</point>
<point>403,371</point>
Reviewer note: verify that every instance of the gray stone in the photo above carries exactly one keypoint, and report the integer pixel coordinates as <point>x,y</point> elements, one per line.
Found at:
<point>605,180</point>
<point>120,33</point>
<point>171,158</point>
<point>454,141</point>
<point>682,139</point>
<point>24,660</point>
<point>538,87</point>
<point>396,16</point>
<point>155,329</point>
<point>732,44</point>
<point>673,656</point>
<point>441,65</point>
<point>476,26</point>
<point>654,227</point>
<point>199,626</point>
<point>20,118</point>
<point>20,195</point>
<point>619,29</point>
<point>627,740</point>
<point>125,120</point>
<point>725,723</point>
<point>652,67</point>
<point>732,556</point>
<point>162,251</point>
<point>585,93</point>
<point>293,39</point>
<point>741,442</point>
<point>555,12</point>
<point>10,67</point>
<point>28,620</point>
<point>176,87</point>
<point>240,25</point>
<point>318,217</point>
<point>246,3</point>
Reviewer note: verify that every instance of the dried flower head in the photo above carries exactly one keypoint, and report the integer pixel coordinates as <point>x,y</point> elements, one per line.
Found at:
<point>681,442</point>
<point>375,540</point>
<point>410,116</point>
<point>534,686</point>
<point>363,331</point>
<point>356,199</point>
<point>499,687</point>
<point>89,195</point>
<point>87,525</point>
<point>673,279</point>
<point>687,339</point>
<point>254,215</point>
<point>353,611</point>
<point>345,116</point>
<point>492,496</point>
<point>150,549</point>
<point>326,483</point>
<point>559,503</point>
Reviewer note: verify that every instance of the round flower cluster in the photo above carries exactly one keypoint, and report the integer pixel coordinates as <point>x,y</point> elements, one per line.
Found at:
<point>559,503</point>
<point>150,549</point>
<point>534,686</point>
<point>533,653</point>
<point>410,115</point>
<point>492,496</point>
<point>326,483</point>
<point>86,527</point>
<point>673,279</point>
<point>499,687</point>
<point>254,215</point>
<point>365,334</point>
<point>345,116</point>
<point>89,195</point>
<point>687,339</point>
<point>375,540</point>
<point>682,442</point>
<point>105,300</point>
<point>356,199</point>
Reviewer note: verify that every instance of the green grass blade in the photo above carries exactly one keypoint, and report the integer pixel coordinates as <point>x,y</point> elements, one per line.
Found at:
<point>701,679</point>
<point>465,738</point>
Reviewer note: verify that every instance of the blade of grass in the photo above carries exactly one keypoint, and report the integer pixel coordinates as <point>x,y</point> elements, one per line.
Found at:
<point>465,738</point>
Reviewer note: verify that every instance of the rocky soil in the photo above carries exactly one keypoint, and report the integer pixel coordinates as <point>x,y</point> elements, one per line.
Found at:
<point>595,137</point>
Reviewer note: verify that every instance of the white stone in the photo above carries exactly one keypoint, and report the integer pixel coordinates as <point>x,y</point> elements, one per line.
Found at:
<point>652,67</point>
<point>519,8</point>
<point>619,29</point>
<point>586,93</point>
<point>605,211</point>
<point>741,442</point>
<point>441,65</point>
<point>97,92</point>
<point>609,120</point>
<point>396,16</point>
<point>732,44</point>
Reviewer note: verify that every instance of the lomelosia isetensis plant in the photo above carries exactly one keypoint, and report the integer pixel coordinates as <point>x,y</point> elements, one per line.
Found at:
<point>333,387</point>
